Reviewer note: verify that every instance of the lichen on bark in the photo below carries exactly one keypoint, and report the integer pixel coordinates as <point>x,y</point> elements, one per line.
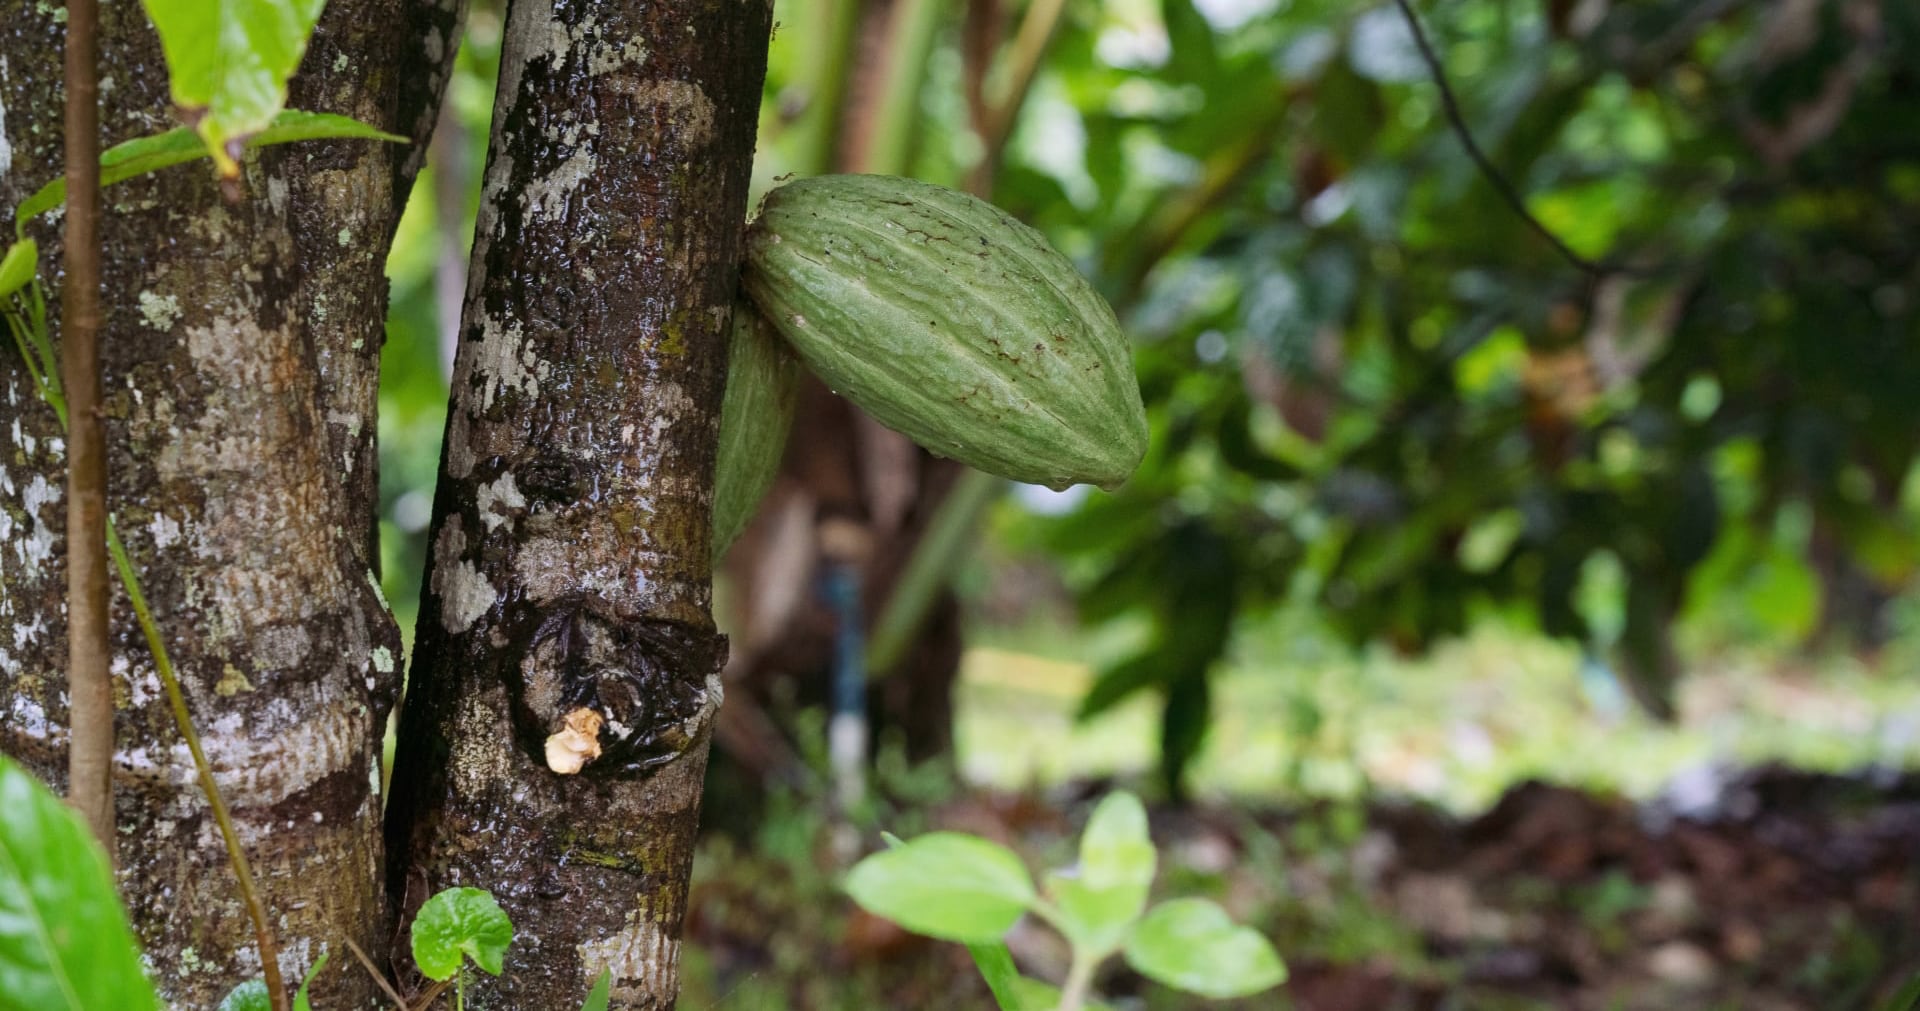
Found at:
<point>570,565</point>
<point>240,359</point>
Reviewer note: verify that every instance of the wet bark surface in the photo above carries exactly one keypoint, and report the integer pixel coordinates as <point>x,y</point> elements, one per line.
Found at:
<point>569,563</point>
<point>240,355</point>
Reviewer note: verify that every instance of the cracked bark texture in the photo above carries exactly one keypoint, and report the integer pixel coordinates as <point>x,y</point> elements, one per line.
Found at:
<point>569,563</point>
<point>240,357</point>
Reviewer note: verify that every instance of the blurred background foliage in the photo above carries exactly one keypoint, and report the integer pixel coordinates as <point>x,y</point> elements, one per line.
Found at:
<point>1433,505</point>
<point>1386,410</point>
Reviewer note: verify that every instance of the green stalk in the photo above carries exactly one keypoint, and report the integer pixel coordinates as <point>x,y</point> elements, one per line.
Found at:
<point>242,871</point>
<point>30,336</point>
<point>1079,979</point>
<point>888,145</point>
<point>819,125</point>
<point>929,570</point>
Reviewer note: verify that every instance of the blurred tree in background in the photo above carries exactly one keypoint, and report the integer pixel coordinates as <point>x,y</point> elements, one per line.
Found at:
<point>1379,394</point>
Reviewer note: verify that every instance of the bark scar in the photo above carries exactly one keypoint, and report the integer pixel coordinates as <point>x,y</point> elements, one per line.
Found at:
<point>603,693</point>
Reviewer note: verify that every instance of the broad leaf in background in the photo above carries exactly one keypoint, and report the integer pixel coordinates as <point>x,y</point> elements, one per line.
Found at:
<point>456,922</point>
<point>992,958</point>
<point>17,267</point>
<point>228,62</point>
<point>1192,945</point>
<point>602,992</point>
<point>1099,900</point>
<point>946,885</point>
<point>142,155</point>
<point>64,941</point>
<point>252,995</point>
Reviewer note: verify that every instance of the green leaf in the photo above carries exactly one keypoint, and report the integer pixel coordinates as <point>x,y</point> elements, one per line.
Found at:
<point>946,885</point>
<point>64,941</point>
<point>1192,945</point>
<point>252,995</point>
<point>460,921</point>
<point>142,155</point>
<point>228,62</point>
<point>296,125</point>
<point>602,992</point>
<point>1101,898</point>
<point>17,267</point>
<point>992,958</point>
<point>1115,849</point>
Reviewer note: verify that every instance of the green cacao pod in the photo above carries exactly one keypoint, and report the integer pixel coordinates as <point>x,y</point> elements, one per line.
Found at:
<point>763,382</point>
<point>947,320</point>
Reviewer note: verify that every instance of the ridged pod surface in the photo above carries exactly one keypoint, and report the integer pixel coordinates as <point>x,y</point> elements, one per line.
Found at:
<point>947,320</point>
<point>763,383</point>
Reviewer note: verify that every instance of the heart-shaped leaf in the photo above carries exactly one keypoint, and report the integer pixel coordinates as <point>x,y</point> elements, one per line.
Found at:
<point>456,922</point>
<point>1192,945</point>
<point>946,885</point>
<point>64,941</point>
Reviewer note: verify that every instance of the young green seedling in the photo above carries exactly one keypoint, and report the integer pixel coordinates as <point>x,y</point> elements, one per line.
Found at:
<point>455,925</point>
<point>961,888</point>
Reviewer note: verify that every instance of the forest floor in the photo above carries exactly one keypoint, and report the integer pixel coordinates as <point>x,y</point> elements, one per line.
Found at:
<point>1772,890</point>
<point>1390,824</point>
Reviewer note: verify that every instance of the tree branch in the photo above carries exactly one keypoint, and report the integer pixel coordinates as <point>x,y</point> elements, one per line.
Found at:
<point>1495,178</point>
<point>1029,49</point>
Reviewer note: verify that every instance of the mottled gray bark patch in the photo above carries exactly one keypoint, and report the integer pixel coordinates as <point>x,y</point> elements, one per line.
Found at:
<point>572,517</point>
<point>240,360</point>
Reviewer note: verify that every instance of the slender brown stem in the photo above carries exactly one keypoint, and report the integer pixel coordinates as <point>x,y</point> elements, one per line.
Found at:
<point>374,971</point>
<point>90,719</point>
<point>1495,178</point>
<point>236,856</point>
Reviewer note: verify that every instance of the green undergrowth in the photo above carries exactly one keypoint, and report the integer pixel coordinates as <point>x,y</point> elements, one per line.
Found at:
<point>1294,720</point>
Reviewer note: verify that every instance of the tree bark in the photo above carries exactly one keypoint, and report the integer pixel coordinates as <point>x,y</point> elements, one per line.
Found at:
<point>569,565</point>
<point>240,354</point>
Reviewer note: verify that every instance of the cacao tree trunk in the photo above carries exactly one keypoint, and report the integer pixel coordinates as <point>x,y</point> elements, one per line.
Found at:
<point>569,560</point>
<point>240,355</point>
